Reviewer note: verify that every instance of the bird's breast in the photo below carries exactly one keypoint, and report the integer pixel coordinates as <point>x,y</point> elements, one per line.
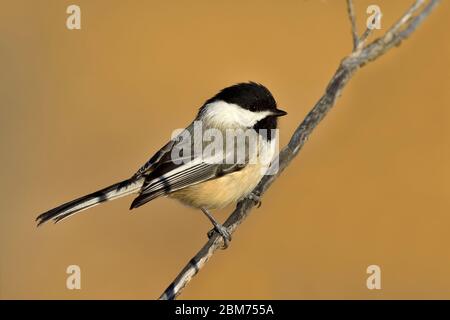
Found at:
<point>219,192</point>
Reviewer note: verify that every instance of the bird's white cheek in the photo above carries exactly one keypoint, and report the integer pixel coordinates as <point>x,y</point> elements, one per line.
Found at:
<point>222,113</point>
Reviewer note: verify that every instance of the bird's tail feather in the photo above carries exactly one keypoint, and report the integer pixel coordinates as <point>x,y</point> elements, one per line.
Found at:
<point>115,191</point>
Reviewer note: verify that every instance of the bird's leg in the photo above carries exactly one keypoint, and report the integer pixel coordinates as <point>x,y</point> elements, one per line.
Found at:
<point>223,231</point>
<point>255,198</point>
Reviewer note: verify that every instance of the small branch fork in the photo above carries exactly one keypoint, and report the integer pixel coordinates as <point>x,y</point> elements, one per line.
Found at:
<point>361,55</point>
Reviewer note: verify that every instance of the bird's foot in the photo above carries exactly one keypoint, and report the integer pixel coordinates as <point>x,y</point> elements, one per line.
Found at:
<point>255,198</point>
<point>224,233</point>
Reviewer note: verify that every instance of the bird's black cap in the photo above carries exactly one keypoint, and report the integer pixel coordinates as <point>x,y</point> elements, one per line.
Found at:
<point>249,95</point>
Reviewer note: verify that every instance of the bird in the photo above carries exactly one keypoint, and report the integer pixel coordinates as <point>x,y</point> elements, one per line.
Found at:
<point>202,182</point>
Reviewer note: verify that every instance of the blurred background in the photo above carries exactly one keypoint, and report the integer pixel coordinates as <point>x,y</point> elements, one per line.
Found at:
<point>82,109</point>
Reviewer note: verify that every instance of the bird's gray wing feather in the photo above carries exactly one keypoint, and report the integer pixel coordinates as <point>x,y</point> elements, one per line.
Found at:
<point>164,175</point>
<point>179,177</point>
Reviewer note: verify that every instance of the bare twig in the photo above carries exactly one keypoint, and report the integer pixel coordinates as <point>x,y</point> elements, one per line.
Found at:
<point>351,15</point>
<point>348,66</point>
<point>364,36</point>
<point>407,16</point>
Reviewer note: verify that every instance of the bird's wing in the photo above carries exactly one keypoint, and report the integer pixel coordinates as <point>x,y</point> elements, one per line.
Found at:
<point>163,175</point>
<point>180,176</point>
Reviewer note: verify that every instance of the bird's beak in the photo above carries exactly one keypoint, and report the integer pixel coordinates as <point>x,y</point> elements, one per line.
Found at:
<point>279,113</point>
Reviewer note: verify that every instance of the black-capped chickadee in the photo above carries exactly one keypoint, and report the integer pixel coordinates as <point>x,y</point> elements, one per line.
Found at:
<point>204,182</point>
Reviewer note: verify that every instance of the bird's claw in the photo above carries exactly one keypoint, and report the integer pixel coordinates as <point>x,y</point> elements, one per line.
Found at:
<point>224,233</point>
<point>255,198</point>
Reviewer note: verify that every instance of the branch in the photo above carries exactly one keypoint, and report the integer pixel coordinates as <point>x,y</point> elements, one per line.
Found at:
<point>348,66</point>
<point>351,15</point>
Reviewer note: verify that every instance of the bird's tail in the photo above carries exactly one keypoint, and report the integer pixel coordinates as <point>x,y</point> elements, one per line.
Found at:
<point>115,191</point>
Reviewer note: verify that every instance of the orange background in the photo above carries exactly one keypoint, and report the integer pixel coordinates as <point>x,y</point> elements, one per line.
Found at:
<point>83,109</point>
